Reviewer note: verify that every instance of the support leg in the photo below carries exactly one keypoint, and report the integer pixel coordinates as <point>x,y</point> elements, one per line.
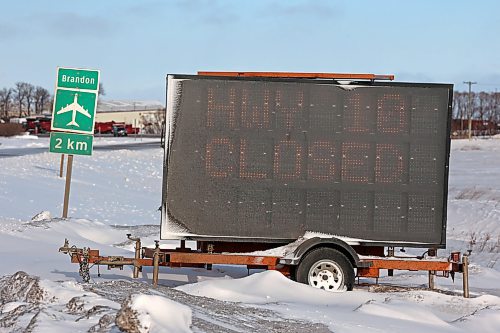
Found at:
<point>156,266</point>
<point>465,262</point>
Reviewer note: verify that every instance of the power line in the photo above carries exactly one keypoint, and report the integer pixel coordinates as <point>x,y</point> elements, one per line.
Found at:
<point>487,84</point>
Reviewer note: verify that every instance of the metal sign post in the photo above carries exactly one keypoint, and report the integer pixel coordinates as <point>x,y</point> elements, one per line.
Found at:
<point>67,187</point>
<point>61,166</point>
<point>73,118</point>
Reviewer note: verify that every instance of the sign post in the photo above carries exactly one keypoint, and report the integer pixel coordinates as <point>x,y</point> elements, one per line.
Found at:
<point>69,170</point>
<point>61,166</point>
<point>73,118</point>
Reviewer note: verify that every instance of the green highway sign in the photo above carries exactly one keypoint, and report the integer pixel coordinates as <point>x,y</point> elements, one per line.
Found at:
<point>74,111</point>
<point>70,143</point>
<point>75,104</point>
<point>78,78</point>
<point>75,100</point>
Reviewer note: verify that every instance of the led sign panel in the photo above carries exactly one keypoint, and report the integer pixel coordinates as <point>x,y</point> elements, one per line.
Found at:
<point>272,159</point>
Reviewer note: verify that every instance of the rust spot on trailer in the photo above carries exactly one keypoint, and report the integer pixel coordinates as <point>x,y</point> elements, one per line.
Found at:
<point>223,259</point>
<point>369,272</point>
<point>76,257</point>
<point>410,265</point>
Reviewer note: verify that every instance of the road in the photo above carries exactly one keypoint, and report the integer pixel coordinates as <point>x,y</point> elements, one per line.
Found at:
<point>13,152</point>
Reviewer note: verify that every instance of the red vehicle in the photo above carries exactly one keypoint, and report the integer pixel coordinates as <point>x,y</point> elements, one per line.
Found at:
<point>115,128</point>
<point>104,127</point>
<point>131,130</point>
<point>38,124</point>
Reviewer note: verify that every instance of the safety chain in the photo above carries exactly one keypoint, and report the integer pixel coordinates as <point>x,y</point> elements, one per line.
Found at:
<point>84,265</point>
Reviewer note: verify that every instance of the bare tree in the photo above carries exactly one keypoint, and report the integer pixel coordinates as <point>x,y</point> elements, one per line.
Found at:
<point>475,108</point>
<point>51,102</point>
<point>102,92</point>
<point>496,108</point>
<point>485,106</point>
<point>460,100</point>
<point>492,112</point>
<point>42,99</point>
<point>152,123</point>
<point>20,96</point>
<point>30,95</point>
<point>5,100</point>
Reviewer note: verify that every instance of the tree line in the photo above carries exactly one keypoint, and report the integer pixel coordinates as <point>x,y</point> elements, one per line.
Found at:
<point>483,106</point>
<point>24,99</point>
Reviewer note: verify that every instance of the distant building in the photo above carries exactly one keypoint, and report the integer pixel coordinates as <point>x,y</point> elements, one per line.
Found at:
<point>146,115</point>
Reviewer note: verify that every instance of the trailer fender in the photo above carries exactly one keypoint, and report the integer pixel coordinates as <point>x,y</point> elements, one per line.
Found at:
<point>294,257</point>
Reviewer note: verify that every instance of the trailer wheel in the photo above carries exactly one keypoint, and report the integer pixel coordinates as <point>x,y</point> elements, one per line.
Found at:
<point>326,268</point>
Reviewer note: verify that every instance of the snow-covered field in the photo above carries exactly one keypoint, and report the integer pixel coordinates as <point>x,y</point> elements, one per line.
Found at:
<point>117,192</point>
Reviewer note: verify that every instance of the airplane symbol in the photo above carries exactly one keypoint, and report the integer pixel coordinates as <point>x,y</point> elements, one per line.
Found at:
<point>75,107</point>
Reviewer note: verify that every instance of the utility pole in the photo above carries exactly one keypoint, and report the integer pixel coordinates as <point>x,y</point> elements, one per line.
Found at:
<point>496,116</point>
<point>469,106</point>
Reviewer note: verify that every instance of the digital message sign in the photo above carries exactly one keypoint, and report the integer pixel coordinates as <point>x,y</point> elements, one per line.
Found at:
<point>271,159</point>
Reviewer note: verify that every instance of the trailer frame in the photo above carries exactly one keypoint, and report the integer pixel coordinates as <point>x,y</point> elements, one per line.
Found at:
<point>366,266</point>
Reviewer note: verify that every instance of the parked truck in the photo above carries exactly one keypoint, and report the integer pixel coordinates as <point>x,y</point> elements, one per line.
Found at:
<point>38,124</point>
<point>334,170</point>
<point>115,128</point>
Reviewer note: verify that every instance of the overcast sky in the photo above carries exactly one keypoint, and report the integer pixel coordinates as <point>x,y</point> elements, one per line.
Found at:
<point>136,43</point>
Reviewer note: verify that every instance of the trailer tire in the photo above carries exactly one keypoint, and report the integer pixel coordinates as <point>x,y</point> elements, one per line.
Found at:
<point>326,268</point>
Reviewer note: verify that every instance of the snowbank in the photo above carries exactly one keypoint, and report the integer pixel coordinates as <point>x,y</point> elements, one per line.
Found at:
<point>157,314</point>
<point>260,288</point>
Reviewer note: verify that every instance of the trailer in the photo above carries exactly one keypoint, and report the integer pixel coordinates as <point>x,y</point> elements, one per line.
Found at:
<point>317,262</point>
<point>338,169</point>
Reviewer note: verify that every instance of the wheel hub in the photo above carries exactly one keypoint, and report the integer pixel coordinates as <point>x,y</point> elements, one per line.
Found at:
<point>326,275</point>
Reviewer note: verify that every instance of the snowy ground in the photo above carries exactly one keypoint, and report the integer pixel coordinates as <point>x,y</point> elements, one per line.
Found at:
<point>116,192</point>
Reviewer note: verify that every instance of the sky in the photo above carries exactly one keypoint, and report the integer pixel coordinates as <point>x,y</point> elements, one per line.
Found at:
<point>135,44</point>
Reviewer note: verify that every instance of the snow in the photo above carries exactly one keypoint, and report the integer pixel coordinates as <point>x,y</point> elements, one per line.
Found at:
<point>118,192</point>
<point>261,288</point>
<point>158,314</point>
<point>409,311</point>
<point>349,240</point>
<point>33,141</point>
<point>170,228</point>
<point>45,215</point>
<point>121,188</point>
